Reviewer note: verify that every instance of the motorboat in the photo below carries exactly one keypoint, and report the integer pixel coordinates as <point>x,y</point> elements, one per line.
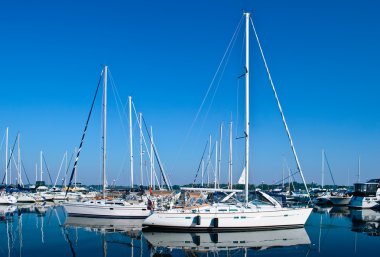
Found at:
<point>366,195</point>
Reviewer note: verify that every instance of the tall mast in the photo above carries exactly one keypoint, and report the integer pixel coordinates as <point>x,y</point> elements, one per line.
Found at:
<point>64,178</point>
<point>104,129</point>
<point>230,159</point>
<point>141,149</point>
<point>18,161</point>
<point>359,170</point>
<point>130,139</point>
<point>6,156</point>
<point>323,168</point>
<point>151,158</point>
<point>41,165</point>
<point>75,171</point>
<point>203,171</point>
<point>247,15</point>
<point>220,153</point>
<point>283,174</point>
<point>216,164</point>
<point>209,162</point>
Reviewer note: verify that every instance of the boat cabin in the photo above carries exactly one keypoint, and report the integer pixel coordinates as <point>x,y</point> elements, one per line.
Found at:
<point>365,189</point>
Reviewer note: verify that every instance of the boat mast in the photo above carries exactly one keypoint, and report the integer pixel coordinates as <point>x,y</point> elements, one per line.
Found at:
<point>19,182</point>
<point>359,170</point>
<point>323,167</point>
<point>247,15</point>
<point>6,156</point>
<point>230,159</point>
<point>130,139</point>
<point>141,149</point>
<point>209,162</point>
<point>41,165</point>
<point>151,158</point>
<point>104,129</point>
<point>216,164</point>
<point>220,153</point>
<point>36,171</point>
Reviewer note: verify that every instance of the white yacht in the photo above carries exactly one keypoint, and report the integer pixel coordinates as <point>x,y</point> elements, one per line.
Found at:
<point>24,197</point>
<point>107,209</point>
<point>7,199</point>
<point>366,195</point>
<point>340,200</point>
<point>240,216</point>
<point>229,217</point>
<point>104,208</point>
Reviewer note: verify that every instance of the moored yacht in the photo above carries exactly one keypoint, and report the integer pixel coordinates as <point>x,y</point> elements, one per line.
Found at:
<point>104,207</point>
<point>201,216</point>
<point>366,195</point>
<point>229,217</point>
<point>7,199</point>
<point>340,200</point>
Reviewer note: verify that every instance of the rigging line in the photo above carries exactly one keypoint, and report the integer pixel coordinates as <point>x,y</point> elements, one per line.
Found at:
<point>210,86</point>
<point>10,157</point>
<point>209,162</point>
<point>59,171</point>
<point>121,112</point>
<point>26,175</point>
<point>200,163</point>
<point>220,79</point>
<point>285,178</point>
<point>119,104</point>
<point>71,158</point>
<point>83,135</point>
<point>145,144</point>
<point>143,138</point>
<point>47,168</point>
<point>328,165</point>
<point>157,157</point>
<point>280,109</point>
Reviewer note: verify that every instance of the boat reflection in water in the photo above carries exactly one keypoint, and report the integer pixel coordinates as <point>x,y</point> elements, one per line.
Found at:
<point>131,226</point>
<point>366,221</point>
<point>215,242</point>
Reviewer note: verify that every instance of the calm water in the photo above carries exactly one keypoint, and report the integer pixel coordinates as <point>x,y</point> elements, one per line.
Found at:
<point>45,231</point>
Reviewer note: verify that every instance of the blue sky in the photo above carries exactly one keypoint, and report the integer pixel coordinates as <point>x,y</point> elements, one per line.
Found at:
<point>323,56</point>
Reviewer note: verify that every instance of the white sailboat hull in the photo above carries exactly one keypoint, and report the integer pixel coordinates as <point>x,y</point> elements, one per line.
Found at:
<point>24,198</point>
<point>340,200</point>
<point>361,202</point>
<point>138,211</point>
<point>7,199</point>
<point>273,218</point>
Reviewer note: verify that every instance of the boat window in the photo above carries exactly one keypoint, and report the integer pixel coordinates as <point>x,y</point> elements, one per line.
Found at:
<point>222,209</point>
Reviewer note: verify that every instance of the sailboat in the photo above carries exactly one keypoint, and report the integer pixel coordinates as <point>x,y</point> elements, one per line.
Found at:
<point>105,208</point>
<point>240,216</point>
